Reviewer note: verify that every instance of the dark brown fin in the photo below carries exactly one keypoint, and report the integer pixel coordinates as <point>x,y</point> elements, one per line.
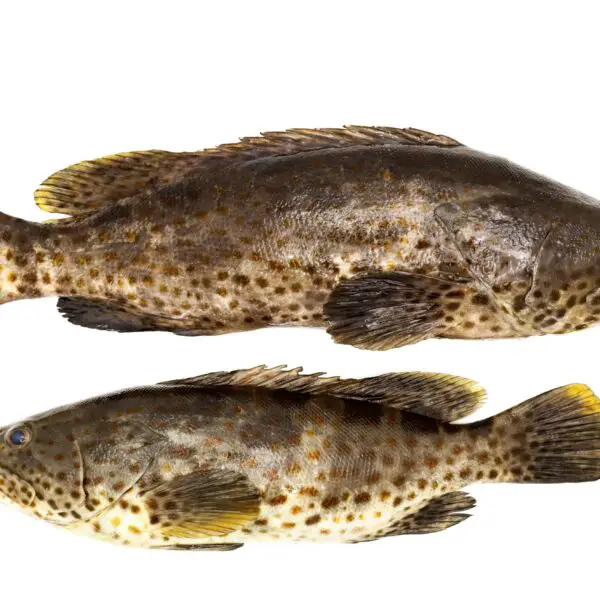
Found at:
<point>438,396</point>
<point>437,515</point>
<point>93,184</point>
<point>213,547</point>
<point>387,310</point>
<point>203,504</point>
<point>109,316</point>
<point>553,438</point>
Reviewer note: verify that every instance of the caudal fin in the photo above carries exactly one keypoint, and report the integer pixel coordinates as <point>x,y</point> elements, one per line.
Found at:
<point>552,438</point>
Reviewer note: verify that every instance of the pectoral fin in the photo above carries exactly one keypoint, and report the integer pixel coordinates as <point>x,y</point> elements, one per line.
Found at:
<point>388,310</point>
<point>203,504</point>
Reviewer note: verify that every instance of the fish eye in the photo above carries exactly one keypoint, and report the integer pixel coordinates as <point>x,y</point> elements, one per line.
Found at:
<point>18,437</point>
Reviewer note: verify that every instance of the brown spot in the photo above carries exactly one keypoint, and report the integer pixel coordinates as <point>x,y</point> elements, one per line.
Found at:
<point>330,502</point>
<point>362,497</point>
<point>309,491</point>
<point>296,510</point>
<point>480,300</point>
<point>288,525</point>
<point>277,500</point>
<point>422,484</point>
<point>431,462</point>
<point>313,520</point>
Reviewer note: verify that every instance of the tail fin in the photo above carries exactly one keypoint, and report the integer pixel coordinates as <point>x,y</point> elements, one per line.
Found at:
<point>553,438</point>
<point>18,268</point>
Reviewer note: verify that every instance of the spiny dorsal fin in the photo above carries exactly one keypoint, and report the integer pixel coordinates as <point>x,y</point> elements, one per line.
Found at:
<point>438,396</point>
<point>92,184</point>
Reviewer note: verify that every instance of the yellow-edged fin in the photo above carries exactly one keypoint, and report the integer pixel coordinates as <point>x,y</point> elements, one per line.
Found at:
<point>92,184</point>
<point>435,395</point>
<point>555,437</point>
<point>203,504</point>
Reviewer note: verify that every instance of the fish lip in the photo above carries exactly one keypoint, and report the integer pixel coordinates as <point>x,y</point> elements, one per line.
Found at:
<point>22,481</point>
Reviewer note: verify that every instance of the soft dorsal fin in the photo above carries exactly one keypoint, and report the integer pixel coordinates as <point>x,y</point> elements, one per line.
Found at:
<point>92,184</point>
<point>442,397</point>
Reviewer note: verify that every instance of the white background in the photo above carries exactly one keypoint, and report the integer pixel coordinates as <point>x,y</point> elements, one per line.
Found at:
<point>83,79</point>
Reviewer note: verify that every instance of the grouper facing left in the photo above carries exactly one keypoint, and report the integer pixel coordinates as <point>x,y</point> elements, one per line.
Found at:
<point>385,236</point>
<point>265,454</point>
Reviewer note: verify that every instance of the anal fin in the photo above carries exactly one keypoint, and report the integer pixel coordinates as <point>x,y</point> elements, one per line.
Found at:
<point>441,513</point>
<point>380,311</point>
<point>106,315</point>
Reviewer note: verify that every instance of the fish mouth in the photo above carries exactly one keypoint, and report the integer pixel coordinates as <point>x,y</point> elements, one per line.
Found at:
<point>16,489</point>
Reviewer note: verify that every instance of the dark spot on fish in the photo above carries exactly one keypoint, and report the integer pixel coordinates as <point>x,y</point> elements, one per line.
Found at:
<point>313,520</point>
<point>455,294</point>
<point>362,497</point>
<point>480,300</point>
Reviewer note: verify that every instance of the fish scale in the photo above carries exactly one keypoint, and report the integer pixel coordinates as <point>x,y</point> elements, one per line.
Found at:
<point>384,236</point>
<point>215,461</point>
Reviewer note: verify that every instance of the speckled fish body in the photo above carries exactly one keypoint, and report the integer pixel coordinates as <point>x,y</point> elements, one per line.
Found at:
<point>385,236</point>
<point>259,455</point>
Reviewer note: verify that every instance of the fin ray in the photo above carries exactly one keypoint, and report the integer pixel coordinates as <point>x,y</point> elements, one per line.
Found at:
<point>203,504</point>
<point>380,311</point>
<point>439,514</point>
<point>93,184</point>
<point>438,396</point>
<point>107,316</point>
<point>553,438</point>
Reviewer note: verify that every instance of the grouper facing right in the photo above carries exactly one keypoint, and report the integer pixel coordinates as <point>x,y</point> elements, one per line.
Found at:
<point>385,236</point>
<point>215,461</point>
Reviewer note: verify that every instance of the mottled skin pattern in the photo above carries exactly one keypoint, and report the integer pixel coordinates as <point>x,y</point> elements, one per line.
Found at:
<point>259,242</point>
<point>320,468</point>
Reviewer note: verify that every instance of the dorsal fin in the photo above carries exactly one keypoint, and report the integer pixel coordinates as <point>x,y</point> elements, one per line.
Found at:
<point>441,397</point>
<point>92,184</point>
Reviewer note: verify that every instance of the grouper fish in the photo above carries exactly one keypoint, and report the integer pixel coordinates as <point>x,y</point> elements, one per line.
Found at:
<point>384,236</point>
<point>268,454</point>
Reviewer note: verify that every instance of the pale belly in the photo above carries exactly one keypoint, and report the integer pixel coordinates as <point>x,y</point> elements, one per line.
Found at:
<point>300,515</point>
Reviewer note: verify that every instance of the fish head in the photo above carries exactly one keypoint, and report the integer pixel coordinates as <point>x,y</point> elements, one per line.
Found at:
<point>564,294</point>
<point>69,465</point>
<point>538,261</point>
<point>41,471</point>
